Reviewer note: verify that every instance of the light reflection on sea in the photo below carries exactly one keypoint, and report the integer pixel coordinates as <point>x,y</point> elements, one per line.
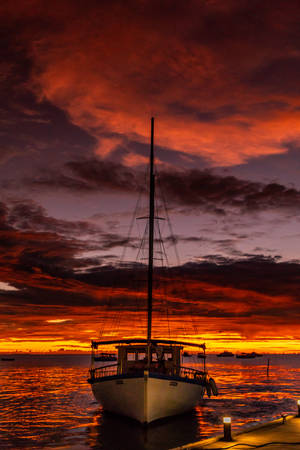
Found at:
<point>47,403</point>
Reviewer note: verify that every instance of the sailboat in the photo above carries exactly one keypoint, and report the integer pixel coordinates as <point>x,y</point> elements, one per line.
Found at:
<point>148,381</point>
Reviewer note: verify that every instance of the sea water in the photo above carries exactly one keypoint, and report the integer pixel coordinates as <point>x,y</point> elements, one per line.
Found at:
<point>46,402</point>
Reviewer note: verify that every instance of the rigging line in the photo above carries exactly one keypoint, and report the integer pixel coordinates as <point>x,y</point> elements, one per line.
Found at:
<point>116,321</point>
<point>185,289</point>
<point>167,271</point>
<point>134,316</point>
<point>112,325</point>
<point>165,301</point>
<point>168,220</point>
<point>167,281</point>
<point>183,328</point>
<point>137,288</point>
<point>140,256</point>
<point>104,318</point>
<point>133,218</point>
<point>142,244</point>
<point>116,317</point>
<point>139,280</point>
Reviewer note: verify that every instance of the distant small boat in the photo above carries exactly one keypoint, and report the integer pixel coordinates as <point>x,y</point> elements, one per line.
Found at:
<point>225,354</point>
<point>186,355</point>
<point>248,355</point>
<point>201,355</point>
<point>105,357</point>
<point>7,359</point>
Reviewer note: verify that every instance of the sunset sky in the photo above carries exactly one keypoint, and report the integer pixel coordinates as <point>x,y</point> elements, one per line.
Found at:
<point>80,81</point>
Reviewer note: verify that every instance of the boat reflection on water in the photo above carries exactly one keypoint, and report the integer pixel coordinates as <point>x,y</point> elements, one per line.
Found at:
<point>163,434</point>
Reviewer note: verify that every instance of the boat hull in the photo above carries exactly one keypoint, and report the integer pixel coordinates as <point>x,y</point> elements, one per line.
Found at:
<point>147,397</point>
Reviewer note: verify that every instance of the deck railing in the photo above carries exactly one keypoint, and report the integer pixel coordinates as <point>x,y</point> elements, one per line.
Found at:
<point>105,371</point>
<point>181,372</point>
<point>192,374</point>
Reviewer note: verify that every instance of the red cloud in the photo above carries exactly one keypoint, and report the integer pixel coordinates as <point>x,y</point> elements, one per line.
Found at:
<point>204,70</point>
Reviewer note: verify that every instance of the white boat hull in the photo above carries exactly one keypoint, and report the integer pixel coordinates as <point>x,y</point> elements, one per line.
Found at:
<point>147,398</point>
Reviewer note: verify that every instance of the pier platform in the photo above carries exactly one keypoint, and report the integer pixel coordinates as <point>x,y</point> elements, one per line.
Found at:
<point>281,434</point>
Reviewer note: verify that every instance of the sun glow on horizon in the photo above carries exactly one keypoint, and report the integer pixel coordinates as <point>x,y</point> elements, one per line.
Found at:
<point>277,345</point>
<point>58,320</point>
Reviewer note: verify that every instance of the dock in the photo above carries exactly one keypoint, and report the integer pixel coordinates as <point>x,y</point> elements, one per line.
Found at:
<point>280,434</point>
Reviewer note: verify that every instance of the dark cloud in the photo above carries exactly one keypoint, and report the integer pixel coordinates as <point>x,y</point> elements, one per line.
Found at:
<point>219,113</point>
<point>34,251</point>
<point>251,277</point>
<point>279,76</point>
<point>111,240</point>
<point>90,176</point>
<point>105,174</point>
<point>199,189</point>
<point>32,241</point>
<point>27,215</point>
<point>257,273</point>
<point>282,168</point>
<point>34,132</point>
<point>218,193</point>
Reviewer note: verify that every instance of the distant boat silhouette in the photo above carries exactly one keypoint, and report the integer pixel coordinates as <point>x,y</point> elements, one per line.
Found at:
<point>251,355</point>
<point>225,354</point>
<point>7,359</point>
<point>105,357</point>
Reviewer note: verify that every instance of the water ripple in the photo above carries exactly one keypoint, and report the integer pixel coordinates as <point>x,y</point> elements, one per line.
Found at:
<point>47,403</point>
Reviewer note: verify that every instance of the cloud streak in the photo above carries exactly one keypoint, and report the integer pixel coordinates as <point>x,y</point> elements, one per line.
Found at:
<point>223,301</point>
<point>195,188</point>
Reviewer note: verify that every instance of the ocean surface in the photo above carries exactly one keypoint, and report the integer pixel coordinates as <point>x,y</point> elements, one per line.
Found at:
<point>46,403</point>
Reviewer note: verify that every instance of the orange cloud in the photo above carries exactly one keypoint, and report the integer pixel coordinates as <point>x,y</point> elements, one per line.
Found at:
<point>210,84</point>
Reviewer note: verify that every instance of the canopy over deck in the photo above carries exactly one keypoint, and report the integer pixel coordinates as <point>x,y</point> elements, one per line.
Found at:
<point>96,344</point>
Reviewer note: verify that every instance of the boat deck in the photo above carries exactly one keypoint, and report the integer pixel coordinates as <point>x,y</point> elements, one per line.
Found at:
<point>281,434</point>
<point>179,373</point>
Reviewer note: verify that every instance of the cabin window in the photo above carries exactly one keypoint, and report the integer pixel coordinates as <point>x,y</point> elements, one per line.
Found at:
<point>141,356</point>
<point>168,356</point>
<point>154,356</point>
<point>130,356</point>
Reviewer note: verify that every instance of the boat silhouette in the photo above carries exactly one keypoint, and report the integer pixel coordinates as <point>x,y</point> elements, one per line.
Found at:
<point>244,355</point>
<point>148,381</point>
<point>225,354</point>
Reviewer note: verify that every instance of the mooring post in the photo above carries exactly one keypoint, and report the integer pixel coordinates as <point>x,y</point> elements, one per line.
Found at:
<point>227,429</point>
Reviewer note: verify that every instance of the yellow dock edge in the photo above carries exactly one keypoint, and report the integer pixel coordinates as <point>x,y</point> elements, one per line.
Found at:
<point>204,442</point>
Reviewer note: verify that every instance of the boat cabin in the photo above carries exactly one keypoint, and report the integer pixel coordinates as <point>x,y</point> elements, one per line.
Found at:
<point>137,355</point>
<point>163,358</point>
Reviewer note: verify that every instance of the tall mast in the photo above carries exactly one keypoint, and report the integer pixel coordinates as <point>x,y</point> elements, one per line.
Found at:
<point>151,233</point>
